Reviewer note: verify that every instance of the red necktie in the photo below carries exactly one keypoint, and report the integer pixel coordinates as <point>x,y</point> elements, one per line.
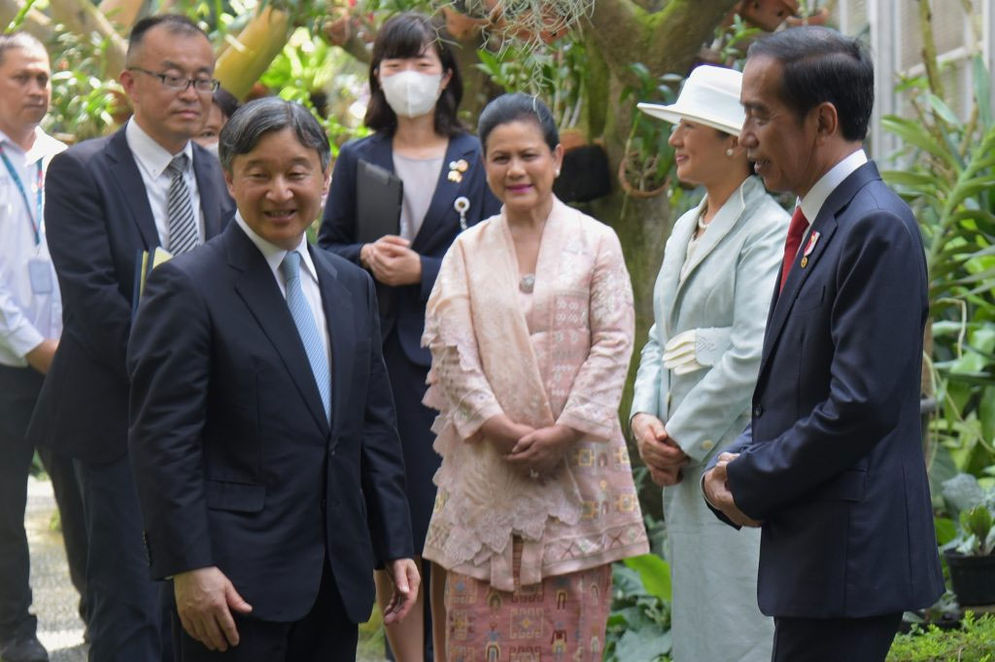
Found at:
<point>796,230</point>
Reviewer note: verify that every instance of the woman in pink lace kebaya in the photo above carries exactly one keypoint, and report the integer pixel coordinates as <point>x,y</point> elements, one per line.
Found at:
<point>530,327</point>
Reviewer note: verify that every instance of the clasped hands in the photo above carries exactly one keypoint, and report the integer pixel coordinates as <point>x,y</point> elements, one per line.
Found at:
<point>717,492</point>
<point>392,261</point>
<point>536,452</point>
<point>206,598</point>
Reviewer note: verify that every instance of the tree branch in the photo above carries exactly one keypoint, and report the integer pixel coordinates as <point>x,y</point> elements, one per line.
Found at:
<point>82,17</point>
<point>35,23</point>
<point>665,41</point>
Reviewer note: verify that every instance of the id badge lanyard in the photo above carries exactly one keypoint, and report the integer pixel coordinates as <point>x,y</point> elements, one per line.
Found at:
<point>35,219</point>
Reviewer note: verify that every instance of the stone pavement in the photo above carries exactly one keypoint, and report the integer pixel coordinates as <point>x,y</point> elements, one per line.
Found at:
<point>55,599</point>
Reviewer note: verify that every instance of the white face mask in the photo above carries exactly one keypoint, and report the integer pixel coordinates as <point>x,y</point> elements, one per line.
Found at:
<point>410,93</point>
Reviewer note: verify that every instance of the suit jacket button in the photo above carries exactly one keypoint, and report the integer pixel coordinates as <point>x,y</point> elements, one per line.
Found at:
<point>758,411</point>
<point>708,444</point>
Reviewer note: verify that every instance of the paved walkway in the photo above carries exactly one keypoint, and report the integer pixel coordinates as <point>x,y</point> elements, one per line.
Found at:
<point>55,599</point>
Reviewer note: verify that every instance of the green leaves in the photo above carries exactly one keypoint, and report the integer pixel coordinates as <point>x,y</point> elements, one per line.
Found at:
<point>948,179</point>
<point>654,573</point>
<point>976,519</point>
<point>639,624</point>
<point>978,523</point>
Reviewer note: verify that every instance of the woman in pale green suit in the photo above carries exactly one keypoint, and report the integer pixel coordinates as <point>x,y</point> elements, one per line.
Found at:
<point>698,367</point>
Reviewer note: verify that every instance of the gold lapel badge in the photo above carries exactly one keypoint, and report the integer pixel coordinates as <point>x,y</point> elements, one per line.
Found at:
<point>813,239</point>
<point>456,170</point>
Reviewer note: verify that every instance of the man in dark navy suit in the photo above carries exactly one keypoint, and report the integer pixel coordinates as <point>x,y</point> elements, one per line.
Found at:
<point>831,466</point>
<point>107,201</point>
<point>263,433</point>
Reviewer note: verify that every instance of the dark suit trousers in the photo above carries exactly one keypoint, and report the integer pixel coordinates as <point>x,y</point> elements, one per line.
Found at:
<point>126,612</point>
<point>834,639</point>
<point>19,389</point>
<point>325,634</point>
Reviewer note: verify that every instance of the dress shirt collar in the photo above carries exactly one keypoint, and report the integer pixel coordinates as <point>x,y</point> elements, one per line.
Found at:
<point>812,203</point>
<point>274,254</point>
<point>44,147</point>
<point>150,155</point>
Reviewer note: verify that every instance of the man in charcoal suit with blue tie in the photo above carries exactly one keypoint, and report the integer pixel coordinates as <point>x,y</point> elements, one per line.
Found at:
<point>262,425</point>
<point>832,464</point>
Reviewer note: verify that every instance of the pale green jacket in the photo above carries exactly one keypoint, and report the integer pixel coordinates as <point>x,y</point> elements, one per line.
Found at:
<point>725,296</point>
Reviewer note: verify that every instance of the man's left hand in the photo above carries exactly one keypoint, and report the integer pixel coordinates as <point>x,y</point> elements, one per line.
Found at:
<point>404,574</point>
<point>718,495</point>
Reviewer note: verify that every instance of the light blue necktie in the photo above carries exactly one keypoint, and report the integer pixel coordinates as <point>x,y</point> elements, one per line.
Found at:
<point>308,330</point>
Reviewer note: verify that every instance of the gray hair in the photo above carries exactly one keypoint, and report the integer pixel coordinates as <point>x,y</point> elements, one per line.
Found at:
<point>19,40</point>
<point>253,120</point>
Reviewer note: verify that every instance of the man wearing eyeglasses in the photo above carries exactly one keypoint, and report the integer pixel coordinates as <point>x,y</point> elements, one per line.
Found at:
<point>108,200</point>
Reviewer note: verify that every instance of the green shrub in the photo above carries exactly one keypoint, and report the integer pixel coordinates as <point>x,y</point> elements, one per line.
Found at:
<point>973,642</point>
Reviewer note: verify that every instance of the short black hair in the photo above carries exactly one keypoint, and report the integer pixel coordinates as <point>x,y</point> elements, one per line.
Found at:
<point>226,101</point>
<point>19,40</point>
<point>406,35</point>
<point>255,119</point>
<point>513,107</point>
<point>819,65</point>
<point>175,23</point>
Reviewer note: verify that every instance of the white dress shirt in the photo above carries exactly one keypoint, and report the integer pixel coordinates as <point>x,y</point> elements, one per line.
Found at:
<point>153,159</point>
<point>309,283</point>
<point>26,317</point>
<point>812,203</point>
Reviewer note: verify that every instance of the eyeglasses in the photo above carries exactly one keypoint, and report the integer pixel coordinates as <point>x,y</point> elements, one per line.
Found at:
<point>180,83</point>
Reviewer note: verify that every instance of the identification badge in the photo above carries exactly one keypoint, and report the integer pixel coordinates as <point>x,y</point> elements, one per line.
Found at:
<point>40,274</point>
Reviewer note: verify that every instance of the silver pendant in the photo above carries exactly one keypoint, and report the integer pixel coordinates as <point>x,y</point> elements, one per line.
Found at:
<point>527,283</point>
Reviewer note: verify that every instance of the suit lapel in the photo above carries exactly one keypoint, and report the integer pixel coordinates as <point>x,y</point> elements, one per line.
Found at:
<point>440,210</point>
<point>337,304</point>
<point>825,224</point>
<point>380,152</point>
<point>207,187</point>
<point>132,188</point>
<point>723,222</point>
<point>261,294</point>
<point>670,270</point>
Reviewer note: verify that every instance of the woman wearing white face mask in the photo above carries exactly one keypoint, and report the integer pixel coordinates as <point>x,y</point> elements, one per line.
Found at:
<point>415,92</point>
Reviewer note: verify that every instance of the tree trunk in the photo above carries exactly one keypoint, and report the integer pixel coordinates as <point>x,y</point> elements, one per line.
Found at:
<point>122,13</point>
<point>251,53</point>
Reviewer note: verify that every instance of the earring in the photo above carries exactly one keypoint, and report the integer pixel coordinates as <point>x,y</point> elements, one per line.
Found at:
<point>730,151</point>
<point>557,172</point>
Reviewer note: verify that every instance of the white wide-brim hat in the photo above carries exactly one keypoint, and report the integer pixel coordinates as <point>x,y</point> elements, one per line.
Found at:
<point>710,96</point>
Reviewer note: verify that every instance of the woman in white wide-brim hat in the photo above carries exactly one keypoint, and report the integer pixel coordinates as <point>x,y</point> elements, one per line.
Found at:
<point>698,367</point>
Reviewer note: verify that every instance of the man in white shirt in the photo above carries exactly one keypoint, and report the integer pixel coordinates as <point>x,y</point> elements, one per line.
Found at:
<point>108,201</point>
<point>30,325</point>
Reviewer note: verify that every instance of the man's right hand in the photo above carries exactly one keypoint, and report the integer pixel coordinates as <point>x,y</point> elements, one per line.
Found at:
<point>40,358</point>
<point>204,600</point>
<point>661,455</point>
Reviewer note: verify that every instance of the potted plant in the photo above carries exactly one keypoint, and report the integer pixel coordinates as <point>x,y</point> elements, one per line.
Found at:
<point>970,555</point>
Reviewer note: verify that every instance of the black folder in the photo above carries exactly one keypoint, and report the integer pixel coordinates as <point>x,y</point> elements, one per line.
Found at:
<point>379,195</point>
